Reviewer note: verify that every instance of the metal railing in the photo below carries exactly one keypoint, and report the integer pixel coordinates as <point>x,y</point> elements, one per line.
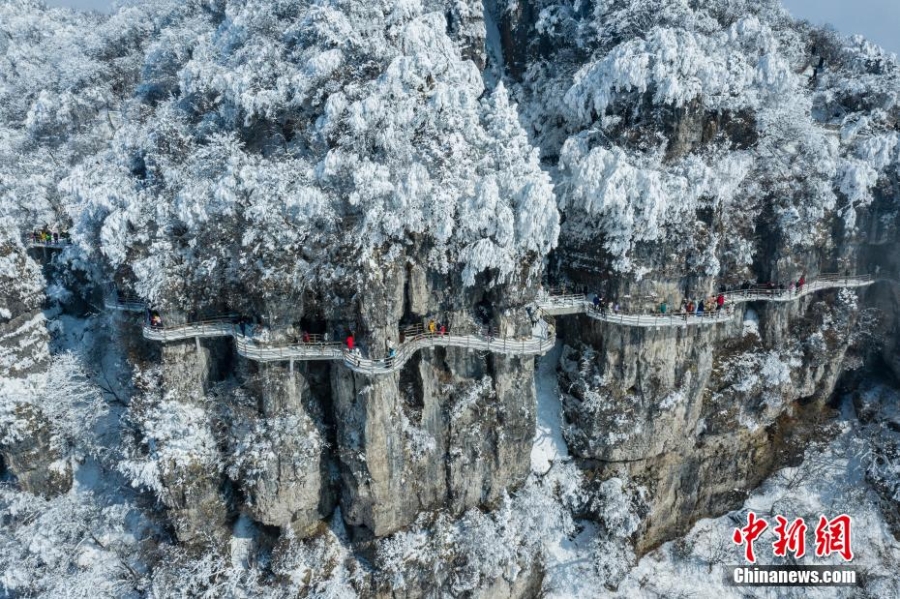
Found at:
<point>821,283</point>
<point>30,241</point>
<point>418,337</point>
<point>254,350</point>
<point>519,346</point>
<point>316,349</point>
<point>201,329</point>
<point>561,305</point>
<point>113,300</point>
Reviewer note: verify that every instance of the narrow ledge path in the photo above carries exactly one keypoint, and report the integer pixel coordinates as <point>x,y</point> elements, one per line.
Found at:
<point>541,341</point>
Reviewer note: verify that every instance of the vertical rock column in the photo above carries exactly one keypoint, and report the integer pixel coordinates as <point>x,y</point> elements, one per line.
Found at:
<point>388,471</point>
<point>451,430</point>
<point>288,485</point>
<point>490,426</point>
<point>194,492</point>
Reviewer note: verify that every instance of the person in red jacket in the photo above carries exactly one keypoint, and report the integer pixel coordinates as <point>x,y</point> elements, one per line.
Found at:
<point>720,302</point>
<point>350,342</point>
<point>801,283</point>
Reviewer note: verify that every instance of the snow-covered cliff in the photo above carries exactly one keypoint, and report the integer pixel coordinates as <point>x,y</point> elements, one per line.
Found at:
<point>324,169</point>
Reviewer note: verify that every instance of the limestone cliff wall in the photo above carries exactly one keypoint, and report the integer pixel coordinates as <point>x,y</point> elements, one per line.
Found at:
<point>700,415</point>
<point>26,449</point>
<point>450,431</point>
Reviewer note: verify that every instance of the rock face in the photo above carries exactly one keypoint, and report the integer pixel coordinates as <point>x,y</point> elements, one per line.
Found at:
<point>193,492</point>
<point>465,24</point>
<point>452,429</point>
<point>700,415</point>
<point>26,448</point>
<point>882,252</point>
<point>23,334</point>
<point>31,457</point>
<point>291,487</point>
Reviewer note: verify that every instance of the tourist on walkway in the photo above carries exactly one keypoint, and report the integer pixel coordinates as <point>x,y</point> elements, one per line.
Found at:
<point>306,337</point>
<point>700,307</point>
<point>443,330</point>
<point>597,301</point>
<point>432,327</point>
<point>720,301</point>
<point>392,353</point>
<point>801,283</point>
<point>663,307</point>
<point>351,342</point>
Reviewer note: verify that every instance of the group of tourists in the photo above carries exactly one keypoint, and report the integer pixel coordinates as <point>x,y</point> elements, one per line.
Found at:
<point>697,307</point>
<point>49,237</point>
<point>436,328</point>
<point>689,307</point>
<point>709,306</point>
<point>604,307</point>
<point>778,287</point>
<point>154,319</point>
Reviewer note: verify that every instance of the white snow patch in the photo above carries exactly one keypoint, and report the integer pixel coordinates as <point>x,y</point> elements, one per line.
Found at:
<point>549,445</point>
<point>751,322</point>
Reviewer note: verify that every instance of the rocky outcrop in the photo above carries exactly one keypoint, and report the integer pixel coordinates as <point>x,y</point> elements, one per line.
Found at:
<point>26,439</point>
<point>700,416</point>
<point>465,24</point>
<point>31,456</point>
<point>23,333</point>
<point>194,491</point>
<point>452,430</point>
<point>285,462</point>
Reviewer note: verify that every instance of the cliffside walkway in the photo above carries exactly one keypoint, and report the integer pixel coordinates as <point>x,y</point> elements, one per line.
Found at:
<point>563,305</point>
<point>417,338</point>
<point>29,241</point>
<point>113,300</point>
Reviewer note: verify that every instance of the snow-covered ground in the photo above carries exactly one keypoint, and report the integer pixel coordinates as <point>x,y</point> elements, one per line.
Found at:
<point>549,445</point>
<point>569,564</point>
<point>494,71</point>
